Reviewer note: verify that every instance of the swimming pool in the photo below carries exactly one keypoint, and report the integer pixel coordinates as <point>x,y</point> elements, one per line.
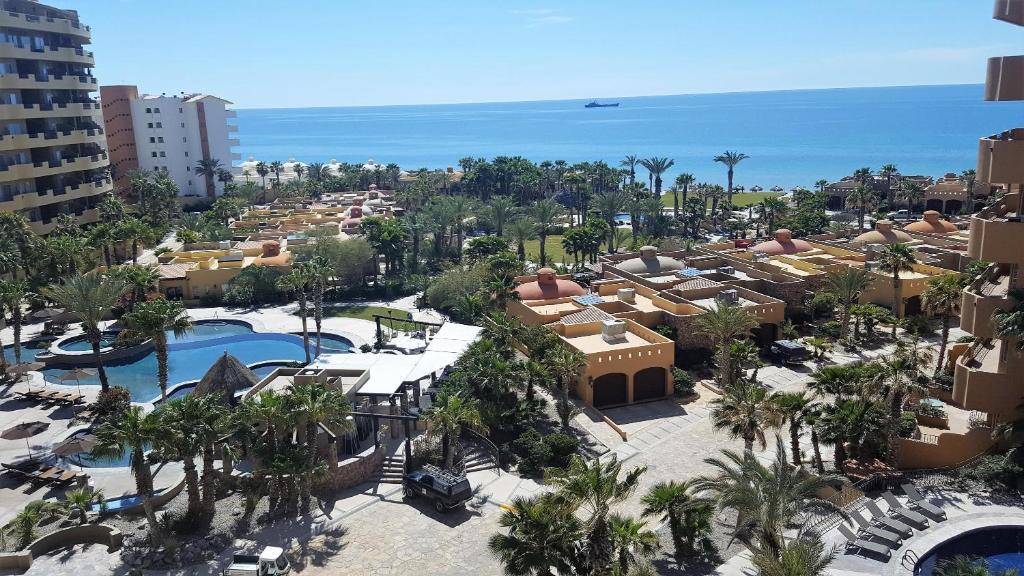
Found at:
<point>190,356</point>
<point>29,350</point>
<point>1001,547</point>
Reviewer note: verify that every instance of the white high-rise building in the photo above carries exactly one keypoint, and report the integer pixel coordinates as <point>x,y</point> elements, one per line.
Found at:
<point>173,134</point>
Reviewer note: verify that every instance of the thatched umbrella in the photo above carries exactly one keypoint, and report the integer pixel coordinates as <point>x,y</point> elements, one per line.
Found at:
<point>225,377</point>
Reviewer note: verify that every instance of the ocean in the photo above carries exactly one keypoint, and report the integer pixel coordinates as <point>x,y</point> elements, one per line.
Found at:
<point>792,137</point>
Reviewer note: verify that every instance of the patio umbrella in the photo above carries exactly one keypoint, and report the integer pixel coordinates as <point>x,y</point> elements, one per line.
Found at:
<point>25,367</point>
<point>76,445</point>
<point>24,430</point>
<point>46,313</point>
<point>77,374</point>
<point>756,188</point>
<point>777,189</point>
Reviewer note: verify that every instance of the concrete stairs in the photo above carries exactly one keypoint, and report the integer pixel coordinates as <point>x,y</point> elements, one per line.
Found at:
<point>392,470</point>
<point>476,458</point>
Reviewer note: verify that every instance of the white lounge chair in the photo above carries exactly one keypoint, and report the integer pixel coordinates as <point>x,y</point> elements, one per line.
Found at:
<point>916,500</point>
<point>852,541</point>
<point>902,511</point>
<point>866,529</point>
<point>884,520</point>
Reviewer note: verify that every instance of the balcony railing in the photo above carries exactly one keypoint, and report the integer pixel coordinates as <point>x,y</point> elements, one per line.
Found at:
<point>33,22</point>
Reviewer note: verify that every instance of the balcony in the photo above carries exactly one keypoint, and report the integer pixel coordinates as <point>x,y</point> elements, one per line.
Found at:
<point>27,111</point>
<point>1011,11</point>
<point>36,199</point>
<point>1004,79</point>
<point>983,382</point>
<point>985,296</point>
<point>89,216</point>
<point>997,232</point>
<point>44,24</point>
<point>54,82</point>
<point>1001,157</point>
<point>29,170</point>
<point>55,54</point>
<point>232,142</point>
<point>232,128</point>
<point>230,114</point>
<point>56,138</point>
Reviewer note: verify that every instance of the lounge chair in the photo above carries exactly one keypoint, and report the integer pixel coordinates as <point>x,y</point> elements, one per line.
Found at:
<point>47,473</point>
<point>881,518</point>
<point>852,541</point>
<point>867,529</point>
<point>916,500</point>
<point>902,511</point>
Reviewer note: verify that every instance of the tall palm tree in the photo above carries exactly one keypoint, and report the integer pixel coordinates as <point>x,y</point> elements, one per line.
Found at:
<point>271,411</point>
<point>277,167</point>
<point>521,230</point>
<point>318,404</point>
<point>969,178</point>
<point>545,214</point>
<point>499,211</point>
<point>847,284</point>
<point>862,197</point>
<point>609,204</point>
<point>888,171</point>
<point>1009,325</point>
<point>299,170</point>
<point>180,421</point>
<point>262,169</point>
<point>594,487</point>
<point>793,407</point>
<point>730,159</point>
<point>153,320</point>
<point>630,162</point>
<point>140,281</point>
<point>688,518</point>
<point>89,298</point>
<point>745,411</point>
<point>912,193</point>
<point>565,364</point>
<point>320,274</point>
<point>942,299</point>
<point>541,539</point>
<point>897,258</point>
<point>656,167</point>
<point>802,556</point>
<point>631,541</point>
<point>723,323</point>
<point>767,499</point>
<point>682,183</point>
<point>100,237</point>
<point>13,294</point>
<point>772,208</point>
<point>135,232</point>
<point>448,416</point>
<point>209,168</point>
<point>134,431</point>
<point>298,281</point>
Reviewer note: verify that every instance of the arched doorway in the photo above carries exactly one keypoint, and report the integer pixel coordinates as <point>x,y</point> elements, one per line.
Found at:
<point>649,384</point>
<point>933,204</point>
<point>953,206</point>
<point>834,203</point>
<point>610,390</point>
<point>765,334</point>
<point>912,306</point>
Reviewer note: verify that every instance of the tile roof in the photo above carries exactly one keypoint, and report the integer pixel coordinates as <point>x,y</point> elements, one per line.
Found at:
<point>172,271</point>
<point>697,284</point>
<point>585,316</point>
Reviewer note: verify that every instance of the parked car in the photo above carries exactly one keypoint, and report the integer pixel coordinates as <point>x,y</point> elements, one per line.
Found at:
<point>271,562</point>
<point>900,215</point>
<point>789,352</point>
<point>445,489</point>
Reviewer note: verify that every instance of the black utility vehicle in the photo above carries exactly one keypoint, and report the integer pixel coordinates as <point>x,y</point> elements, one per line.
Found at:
<point>789,352</point>
<point>446,489</point>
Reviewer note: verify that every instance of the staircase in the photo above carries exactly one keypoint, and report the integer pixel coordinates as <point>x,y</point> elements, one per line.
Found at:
<point>476,458</point>
<point>392,470</point>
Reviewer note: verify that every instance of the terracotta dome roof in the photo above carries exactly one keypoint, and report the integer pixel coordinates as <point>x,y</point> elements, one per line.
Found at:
<point>548,286</point>
<point>882,234</point>
<point>782,244</point>
<point>649,262</point>
<point>932,224</point>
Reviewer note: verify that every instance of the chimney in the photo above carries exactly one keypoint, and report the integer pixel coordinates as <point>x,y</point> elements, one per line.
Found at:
<point>627,295</point>
<point>613,331</point>
<point>648,253</point>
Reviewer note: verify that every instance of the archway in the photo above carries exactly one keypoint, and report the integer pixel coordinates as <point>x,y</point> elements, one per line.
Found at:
<point>933,204</point>
<point>765,334</point>
<point>954,206</point>
<point>834,203</point>
<point>611,390</point>
<point>649,384</point>
<point>912,306</point>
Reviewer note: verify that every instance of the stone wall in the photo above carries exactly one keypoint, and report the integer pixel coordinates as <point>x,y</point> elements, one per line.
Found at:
<point>87,533</point>
<point>353,471</point>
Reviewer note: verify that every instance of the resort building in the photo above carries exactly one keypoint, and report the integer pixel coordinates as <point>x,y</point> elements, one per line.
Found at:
<point>168,133</point>
<point>949,195</point>
<point>53,157</point>
<point>987,385</point>
<point>884,186</point>
<point>339,213</point>
<point>205,270</point>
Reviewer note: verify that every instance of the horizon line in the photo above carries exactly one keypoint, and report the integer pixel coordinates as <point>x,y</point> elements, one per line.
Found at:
<point>529,101</point>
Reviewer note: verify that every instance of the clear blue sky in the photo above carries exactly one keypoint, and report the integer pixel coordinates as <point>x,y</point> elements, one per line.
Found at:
<point>262,54</point>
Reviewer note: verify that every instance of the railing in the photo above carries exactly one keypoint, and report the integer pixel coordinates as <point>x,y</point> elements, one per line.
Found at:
<point>487,444</point>
<point>925,438</point>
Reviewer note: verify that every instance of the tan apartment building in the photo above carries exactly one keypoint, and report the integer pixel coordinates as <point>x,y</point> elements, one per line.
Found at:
<point>207,269</point>
<point>988,385</point>
<point>53,157</point>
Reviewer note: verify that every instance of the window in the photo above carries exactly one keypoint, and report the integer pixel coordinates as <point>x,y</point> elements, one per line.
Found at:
<point>186,154</point>
<point>182,124</point>
<point>163,154</point>
<point>188,168</point>
<point>157,110</point>
<point>154,154</point>
<point>160,139</point>
<point>152,140</point>
<point>149,124</point>
<point>181,110</point>
<point>159,125</point>
<point>149,110</point>
<point>183,138</point>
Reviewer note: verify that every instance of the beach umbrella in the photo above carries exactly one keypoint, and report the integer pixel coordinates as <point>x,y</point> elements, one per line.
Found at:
<point>76,445</point>
<point>25,368</point>
<point>46,313</point>
<point>24,431</point>
<point>77,374</point>
<point>777,189</point>
<point>756,188</point>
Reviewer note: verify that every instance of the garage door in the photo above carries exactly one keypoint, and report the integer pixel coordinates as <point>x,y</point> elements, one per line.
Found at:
<point>610,390</point>
<point>649,384</point>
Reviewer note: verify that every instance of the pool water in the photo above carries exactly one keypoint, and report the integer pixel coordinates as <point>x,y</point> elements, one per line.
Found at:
<point>82,344</point>
<point>29,350</point>
<point>1002,548</point>
<point>192,355</point>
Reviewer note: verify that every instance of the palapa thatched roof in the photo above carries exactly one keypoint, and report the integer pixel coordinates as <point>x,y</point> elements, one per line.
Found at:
<point>226,377</point>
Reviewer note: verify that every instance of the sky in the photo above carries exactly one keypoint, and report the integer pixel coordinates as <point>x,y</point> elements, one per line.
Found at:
<point>306,53</point>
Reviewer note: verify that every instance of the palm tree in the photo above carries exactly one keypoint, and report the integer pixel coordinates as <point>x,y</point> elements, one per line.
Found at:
<point>969,178</point>
<point>135,232</point>
<point>631,541</point>
<point>79,503</point>
<point>942,298</point>
<point>447,417</point>
<point>545,213</point>
<point>153,320</point>
<point>89,298</point>
<point>630,162</point>
<point>1009,325</point>
<point>499,211</point>
<point>140,281</point>
<point>100,237</point>
<point>320,274</point>
<point>803,556</point>
<point>745,411</point>
<point>209,168</point>
<point>134,431</point>
<point>565,364</point>
<point>912,193</point>
<point>793,407</point>
<point>683,182</point>
<point>262,170</point>
<point>541,538</point>
<point>767,499</point>
<point>772,208</point>
<point>610,203</point>
<point>318,404</point>
<point>847,284</point>
<point>896,377</point>
<point>298,170</point>
<point>730,159</point>
<point>298,281</point>
<point>277,167</point>
<point>963,565</point>
<point>688,519</point>
<point>594,486</point>
<point>13,294</point>
<point>521,230</point>
<point>897,258</point>
<point>862,196</point>
<point>181,420</point>
<point>270,410</point>
<point>723,323</point>
<point>656,167</point>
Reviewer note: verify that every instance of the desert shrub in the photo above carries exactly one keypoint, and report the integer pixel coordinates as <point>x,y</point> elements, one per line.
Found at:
<point>907,424</point>
<point>666,330</point>
<point>534,454</point>
<point>920,325</point>
<point>929,411</point>
<point>965,339</point>
<point>823,305</point>
<point>211,299</point>
<point>682,383</point>
<point>111,403</point>
<point>943,380</point>
<point>994,469</point>
<point>830,329</point>
<point>562,447</point>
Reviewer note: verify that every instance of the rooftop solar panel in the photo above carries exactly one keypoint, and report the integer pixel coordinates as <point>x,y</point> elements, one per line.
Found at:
<point>588,299</point>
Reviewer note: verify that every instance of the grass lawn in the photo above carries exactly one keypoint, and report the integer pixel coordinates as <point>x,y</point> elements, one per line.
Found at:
<point>361,312</point>
<point>738,200</point>
<point>555,251</point>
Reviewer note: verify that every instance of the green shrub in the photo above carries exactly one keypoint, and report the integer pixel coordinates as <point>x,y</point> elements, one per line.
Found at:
<point>830,329</point>
<point>908,424</point>
<point>823,305</point>
<point>562,448</point>
<point>111,403</point>
<point>965,339</point>
<point>241,296</point>
<point>682,383</point>
<point>943,380</point>
<point>994,469</point>
<point>929,411</point>
<point>920,325</point>
<point>534,454</point>
<point>211,299</point>
<point>666,330</point>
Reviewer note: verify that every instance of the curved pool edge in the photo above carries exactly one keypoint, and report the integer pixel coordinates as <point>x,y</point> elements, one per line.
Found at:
<point>955,527</point>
